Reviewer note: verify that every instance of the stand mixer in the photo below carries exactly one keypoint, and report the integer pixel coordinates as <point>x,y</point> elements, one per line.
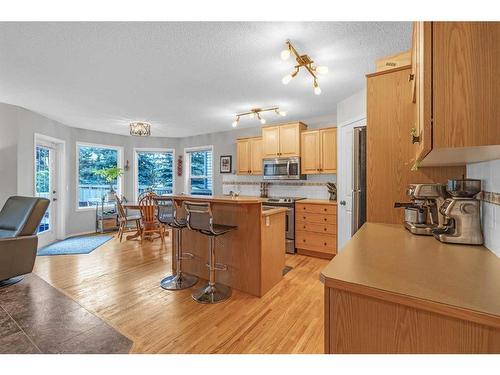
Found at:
<point>461,212</point>
<point>422,214</point>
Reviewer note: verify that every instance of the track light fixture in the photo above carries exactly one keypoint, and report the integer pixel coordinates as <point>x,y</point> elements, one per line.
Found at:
<point>256,113</point>
<point>305,62</point>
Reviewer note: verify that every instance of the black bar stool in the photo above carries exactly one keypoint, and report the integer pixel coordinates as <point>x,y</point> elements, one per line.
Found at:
<point>167,214</point>
<point>200,218</point>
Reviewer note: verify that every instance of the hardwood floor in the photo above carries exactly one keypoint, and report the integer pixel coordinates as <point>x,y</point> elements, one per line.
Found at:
<point>120,284</point>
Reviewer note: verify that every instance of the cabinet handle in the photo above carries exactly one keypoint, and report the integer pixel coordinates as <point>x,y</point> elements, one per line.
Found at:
<point>304,227</point>
<point>325,229</point>
<point>325,218</point>
<point>414,137</point>
<point>304,217</point>
<point>325,243</point>
<point>304,240</point>
<point>411,77</point>
<point>324,209</point>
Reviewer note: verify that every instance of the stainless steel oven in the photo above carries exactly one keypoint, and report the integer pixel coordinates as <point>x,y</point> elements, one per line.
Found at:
<point>289,204</point>
<point>282,169</point>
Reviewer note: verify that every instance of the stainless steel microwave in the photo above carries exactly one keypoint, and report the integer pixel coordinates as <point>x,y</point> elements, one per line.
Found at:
<point>282,169</point>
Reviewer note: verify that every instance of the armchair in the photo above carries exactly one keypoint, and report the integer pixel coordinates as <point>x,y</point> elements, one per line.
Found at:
<point>19,220</point>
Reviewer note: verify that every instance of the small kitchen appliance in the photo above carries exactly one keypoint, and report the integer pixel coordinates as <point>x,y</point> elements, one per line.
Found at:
<point>282,169</point>
<point>461,212</point>
<point>422,214</point>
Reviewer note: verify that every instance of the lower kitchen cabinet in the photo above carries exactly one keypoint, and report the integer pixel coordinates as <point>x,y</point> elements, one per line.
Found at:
<point>316,228</point>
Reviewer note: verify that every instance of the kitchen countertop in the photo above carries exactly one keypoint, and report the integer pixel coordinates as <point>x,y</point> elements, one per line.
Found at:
<point>274,211</point>
<point>387,262</point>
<point>219,198</point>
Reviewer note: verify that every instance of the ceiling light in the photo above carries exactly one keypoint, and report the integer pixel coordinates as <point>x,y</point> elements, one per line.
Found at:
<point>255,113</point>
<point>317,89</point>
<point>303,61</point>
<point>235,122</point>
<point>285,54</point>
<point>140,129</point>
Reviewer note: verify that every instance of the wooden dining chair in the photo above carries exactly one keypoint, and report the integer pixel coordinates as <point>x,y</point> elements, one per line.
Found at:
<point>150,223</point>
<point>124,219</point>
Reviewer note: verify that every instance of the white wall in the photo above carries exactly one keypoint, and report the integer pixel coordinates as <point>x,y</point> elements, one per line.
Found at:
<point>352,108</point>
<point>489,173</point>
<point>8,152</point>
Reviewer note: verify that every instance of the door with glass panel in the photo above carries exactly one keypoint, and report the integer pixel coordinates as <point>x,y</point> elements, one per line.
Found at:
<point>45,186</point>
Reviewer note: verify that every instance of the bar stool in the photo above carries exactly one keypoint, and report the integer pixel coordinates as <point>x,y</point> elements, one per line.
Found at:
<point>167,214</point>
<point>200,218</point>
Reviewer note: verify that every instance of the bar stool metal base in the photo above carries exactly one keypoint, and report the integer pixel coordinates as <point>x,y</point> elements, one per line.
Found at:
<point>212,294</point>
<point>179,282</point>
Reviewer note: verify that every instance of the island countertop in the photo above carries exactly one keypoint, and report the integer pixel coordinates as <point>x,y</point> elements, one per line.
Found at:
<point>219,198</point>
<point>385,260</point>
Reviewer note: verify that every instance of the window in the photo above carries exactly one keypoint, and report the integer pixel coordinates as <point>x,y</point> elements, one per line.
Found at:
<point>92,188</point>
<point>154,171</point>
<point>43,182</point>
<point>199,176</point>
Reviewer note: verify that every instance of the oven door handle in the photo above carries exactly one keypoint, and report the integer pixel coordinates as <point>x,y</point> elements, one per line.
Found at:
<point>288,168</point>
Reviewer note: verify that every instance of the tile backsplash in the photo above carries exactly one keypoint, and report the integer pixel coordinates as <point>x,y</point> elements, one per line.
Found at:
<point>314,187</point>
<point>489,173</point>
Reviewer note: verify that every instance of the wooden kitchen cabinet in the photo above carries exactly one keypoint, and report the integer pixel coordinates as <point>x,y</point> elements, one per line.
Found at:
<point>457,91</point>
<point>282,140</point>
<point>390,154</point>
<point>316,228</point>
<point>249,156</point>
<point>319,151</point>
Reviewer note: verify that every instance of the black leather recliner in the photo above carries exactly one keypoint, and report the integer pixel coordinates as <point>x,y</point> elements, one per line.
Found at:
<point>19,220</point>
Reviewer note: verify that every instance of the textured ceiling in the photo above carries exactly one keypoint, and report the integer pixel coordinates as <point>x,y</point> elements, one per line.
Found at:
<point>185,78</point>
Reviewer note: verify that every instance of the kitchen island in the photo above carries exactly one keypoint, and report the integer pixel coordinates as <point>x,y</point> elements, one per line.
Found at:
<point>254,253</point>
<point>389,291</point>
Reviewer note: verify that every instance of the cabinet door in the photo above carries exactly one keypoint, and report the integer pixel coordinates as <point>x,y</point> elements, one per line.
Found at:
<point>421,93</point>
<point>256,156</point>
<point>310,152</point>
<point>243,156</point>
<point>465,84</point>
<point>270,141</point>
<point>328,142</point>
<point>289,140</point>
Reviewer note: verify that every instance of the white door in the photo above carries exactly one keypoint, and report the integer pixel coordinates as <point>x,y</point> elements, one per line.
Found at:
<point>344,180</point>
<point>46,187</point>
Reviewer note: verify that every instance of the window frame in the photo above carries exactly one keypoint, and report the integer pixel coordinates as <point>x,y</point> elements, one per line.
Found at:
<point>119,184</point>
<point>187,180</point>
<point>136,166</point>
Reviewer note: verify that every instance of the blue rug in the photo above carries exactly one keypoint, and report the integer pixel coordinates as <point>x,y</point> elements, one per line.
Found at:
<point>74,245</point>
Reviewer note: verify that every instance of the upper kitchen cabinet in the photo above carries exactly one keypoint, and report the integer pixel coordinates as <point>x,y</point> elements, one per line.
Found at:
<point>249,156</point>
<point>282,140</point>
<point>456,94</point>
<point>319,151</point>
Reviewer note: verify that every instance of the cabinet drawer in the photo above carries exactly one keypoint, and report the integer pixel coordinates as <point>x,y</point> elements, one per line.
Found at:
<point>315,218</point>
<point>316,228</point>
<point>325,243</point>
<point>316,208</point>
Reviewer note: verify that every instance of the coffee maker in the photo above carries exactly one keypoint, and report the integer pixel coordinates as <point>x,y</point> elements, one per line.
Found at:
<point>462,214</point>
<point>422,213</point>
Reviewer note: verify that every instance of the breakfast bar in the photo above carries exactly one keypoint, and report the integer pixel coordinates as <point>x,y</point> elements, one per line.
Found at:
<point>254,252</point>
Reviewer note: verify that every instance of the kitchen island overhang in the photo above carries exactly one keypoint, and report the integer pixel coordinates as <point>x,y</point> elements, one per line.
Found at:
<point>254,253</point>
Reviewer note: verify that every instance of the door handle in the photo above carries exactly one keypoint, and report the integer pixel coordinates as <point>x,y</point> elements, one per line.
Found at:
<point>54,199</point>
<point>342,203</point>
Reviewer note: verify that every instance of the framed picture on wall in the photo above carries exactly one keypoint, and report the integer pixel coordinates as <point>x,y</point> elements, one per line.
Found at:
<point>226,164</point>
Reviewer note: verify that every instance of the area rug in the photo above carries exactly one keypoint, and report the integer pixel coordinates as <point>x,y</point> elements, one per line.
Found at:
<point>74,245</point>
